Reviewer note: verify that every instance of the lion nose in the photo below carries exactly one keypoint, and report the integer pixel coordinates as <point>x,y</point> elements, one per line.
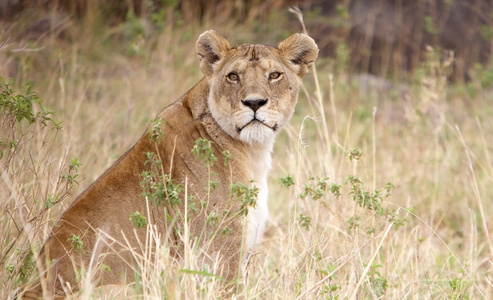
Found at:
<point>254,104</point>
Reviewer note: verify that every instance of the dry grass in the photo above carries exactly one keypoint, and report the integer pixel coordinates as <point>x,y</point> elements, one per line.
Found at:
<point>429,239</point>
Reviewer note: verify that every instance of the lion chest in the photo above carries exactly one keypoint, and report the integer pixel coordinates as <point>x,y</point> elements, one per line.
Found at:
<point>257,217</point>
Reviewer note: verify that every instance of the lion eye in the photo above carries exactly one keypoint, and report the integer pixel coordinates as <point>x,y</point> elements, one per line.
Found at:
<point>233,77</point>
<point>274,75</point>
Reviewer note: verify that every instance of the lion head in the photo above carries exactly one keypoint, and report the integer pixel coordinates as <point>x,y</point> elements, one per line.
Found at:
<point>253,87</point>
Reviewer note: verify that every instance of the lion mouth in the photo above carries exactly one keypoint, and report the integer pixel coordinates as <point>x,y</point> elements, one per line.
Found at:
<point>253,121</point>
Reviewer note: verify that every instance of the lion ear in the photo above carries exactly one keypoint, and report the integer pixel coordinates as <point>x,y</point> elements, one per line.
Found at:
<point>300,50</point>
<point>211,47</point>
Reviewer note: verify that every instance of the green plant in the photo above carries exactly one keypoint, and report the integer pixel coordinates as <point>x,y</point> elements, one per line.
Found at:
<point>31,185</point>
<point>335,189</point>
<point>304,221</point>
<point>227,157</point>
<point>156,134</point>
<point>203,150</point>
<point>355,153</point>
<point>160,189</point>
<point>329,289</point>
<point>138,220</point>
<point>76,242</point>
<point>353,222</point>
<point>315,191</point>
<point>246,195</point>
<point>286,181</point>
<point>379,283</point>
<point>430,26</point>
<point>71,176</point>
<point>18,111</point>
<point>194,205</point>
<point>459,285</point>
<point>157,187</point>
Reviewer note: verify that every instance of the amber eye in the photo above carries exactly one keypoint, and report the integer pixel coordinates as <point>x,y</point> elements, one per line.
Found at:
<point>274,75</point>
<point>233,77</point>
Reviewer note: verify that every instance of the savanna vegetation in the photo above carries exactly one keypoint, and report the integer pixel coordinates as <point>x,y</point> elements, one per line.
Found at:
<point>381,186</point>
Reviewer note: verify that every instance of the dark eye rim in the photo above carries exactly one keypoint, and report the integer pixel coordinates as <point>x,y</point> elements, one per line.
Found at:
<point>276,77</point>
<point>233,74</point>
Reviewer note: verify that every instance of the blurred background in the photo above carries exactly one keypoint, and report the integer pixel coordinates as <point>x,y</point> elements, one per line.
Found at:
<point>382,37</point>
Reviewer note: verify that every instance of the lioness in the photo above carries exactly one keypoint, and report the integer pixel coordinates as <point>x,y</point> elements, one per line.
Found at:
<point>248,94</point>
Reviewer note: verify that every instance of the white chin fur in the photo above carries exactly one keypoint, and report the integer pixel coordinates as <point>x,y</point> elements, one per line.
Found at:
<point>253,134</point>
<point>257,133</point>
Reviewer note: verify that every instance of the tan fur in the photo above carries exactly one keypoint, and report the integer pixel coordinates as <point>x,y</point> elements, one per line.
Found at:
<point>214,109</point>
